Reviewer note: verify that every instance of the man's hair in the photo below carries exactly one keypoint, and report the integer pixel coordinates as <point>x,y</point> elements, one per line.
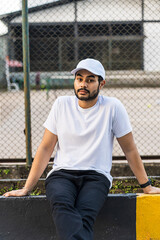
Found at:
<point>100,79</point>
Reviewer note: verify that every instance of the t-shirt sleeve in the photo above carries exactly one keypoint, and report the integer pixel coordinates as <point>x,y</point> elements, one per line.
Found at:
<point>51,121</point>
<point>121,122</point>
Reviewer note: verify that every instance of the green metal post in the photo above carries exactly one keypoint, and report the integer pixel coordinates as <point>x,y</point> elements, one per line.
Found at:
<point>26,70</point>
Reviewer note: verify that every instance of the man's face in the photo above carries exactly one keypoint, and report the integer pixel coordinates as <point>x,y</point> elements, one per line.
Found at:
<point>86,85</point>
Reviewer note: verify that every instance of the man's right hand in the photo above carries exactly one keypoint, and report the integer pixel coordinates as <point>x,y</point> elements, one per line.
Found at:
<point>17,193</point>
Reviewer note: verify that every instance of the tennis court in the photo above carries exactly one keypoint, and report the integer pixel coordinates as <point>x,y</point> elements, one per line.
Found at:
<point>142,104</point>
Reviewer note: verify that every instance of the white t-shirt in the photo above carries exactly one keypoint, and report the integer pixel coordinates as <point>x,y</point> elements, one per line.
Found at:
<point>85,136</point>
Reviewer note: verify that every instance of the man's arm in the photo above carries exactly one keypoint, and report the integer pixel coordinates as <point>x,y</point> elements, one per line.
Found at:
<point>40,162</point>
<point>135,162</point>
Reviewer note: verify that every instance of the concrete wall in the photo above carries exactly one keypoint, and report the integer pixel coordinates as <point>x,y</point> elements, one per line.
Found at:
<point>123,217</point>
<point>29,218</point>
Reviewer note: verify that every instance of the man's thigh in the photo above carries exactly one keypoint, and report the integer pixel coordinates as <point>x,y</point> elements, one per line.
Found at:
<point>60,189</point>
<point>92,196</point>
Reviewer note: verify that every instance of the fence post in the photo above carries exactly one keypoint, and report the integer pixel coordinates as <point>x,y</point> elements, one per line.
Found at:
<point>75,33</point>
<point>26,70</point>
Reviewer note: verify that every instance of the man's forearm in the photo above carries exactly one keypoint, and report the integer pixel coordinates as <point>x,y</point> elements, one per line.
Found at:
<point>130,150</point>
<point>39,164</point>
<point>135,162</point>
<point>136,165</point>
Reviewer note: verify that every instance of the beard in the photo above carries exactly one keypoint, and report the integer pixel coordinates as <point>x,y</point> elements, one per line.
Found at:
<point>90,96</point>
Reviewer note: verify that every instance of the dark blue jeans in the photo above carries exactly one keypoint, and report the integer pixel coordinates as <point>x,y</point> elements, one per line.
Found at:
<point>76,198</point>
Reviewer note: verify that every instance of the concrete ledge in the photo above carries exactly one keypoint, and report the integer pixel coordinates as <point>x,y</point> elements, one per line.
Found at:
<point>119,168</point>
<point>29,218</point>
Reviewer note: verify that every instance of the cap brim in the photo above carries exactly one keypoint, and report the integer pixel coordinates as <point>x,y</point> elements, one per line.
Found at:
<point>78,69</point>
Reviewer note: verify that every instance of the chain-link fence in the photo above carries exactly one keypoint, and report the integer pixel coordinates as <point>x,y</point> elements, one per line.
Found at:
<point>123,34</point>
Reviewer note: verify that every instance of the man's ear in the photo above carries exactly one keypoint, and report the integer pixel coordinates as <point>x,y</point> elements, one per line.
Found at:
<point>102,83</point>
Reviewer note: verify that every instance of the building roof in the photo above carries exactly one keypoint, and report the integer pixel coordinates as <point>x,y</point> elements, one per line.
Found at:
<point>8,17</point>
<point>63,11</point>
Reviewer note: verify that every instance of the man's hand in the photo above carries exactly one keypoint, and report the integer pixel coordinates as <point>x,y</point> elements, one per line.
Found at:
<point>17,193</point>
<point>151,190</point>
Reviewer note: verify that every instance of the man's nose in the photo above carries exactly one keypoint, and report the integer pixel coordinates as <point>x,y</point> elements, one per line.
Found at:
<point>84,84</point>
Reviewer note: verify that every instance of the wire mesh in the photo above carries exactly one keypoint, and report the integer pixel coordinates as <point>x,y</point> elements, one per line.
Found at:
<point>123,34</point>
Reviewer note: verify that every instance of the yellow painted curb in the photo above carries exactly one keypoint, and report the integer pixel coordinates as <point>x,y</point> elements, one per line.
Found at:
<point>148,217</point>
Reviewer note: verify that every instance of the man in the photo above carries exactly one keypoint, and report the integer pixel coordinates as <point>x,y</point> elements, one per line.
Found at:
<point>83,126</point>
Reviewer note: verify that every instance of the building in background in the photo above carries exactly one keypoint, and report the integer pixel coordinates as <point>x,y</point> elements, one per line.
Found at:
<point>123,35</point>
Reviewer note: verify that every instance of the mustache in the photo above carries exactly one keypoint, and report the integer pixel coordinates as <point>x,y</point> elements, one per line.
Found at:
<point>83,89</point>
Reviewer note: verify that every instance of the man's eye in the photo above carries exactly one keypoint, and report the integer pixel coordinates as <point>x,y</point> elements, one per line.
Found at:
<point>90,80</point>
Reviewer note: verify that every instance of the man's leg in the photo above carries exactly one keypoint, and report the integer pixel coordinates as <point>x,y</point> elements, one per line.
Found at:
<point>90,200</point>
<point>76,198</point>
<point>61,193</point>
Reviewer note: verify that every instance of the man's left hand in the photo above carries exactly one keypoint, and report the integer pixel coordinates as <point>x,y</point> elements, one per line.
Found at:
<point>151,190</point>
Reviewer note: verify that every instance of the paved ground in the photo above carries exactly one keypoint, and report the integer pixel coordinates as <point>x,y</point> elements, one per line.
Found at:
<point>142,104</point>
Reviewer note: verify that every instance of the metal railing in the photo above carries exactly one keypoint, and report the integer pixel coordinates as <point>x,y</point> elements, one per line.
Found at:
<point>124,35</point>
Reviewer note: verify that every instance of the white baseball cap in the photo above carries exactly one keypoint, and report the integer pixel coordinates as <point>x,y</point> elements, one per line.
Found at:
<point>92,65</point>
